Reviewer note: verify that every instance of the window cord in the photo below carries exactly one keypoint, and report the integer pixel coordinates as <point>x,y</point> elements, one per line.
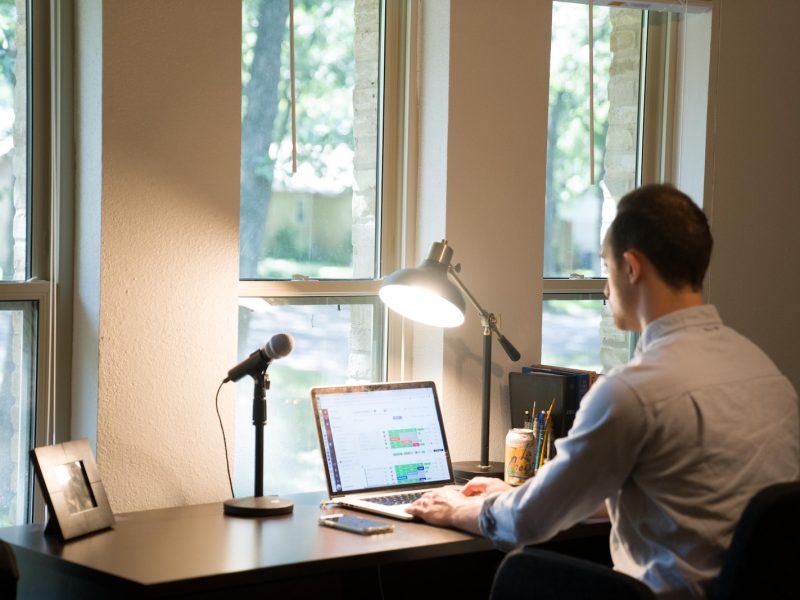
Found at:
<point>224,441</point>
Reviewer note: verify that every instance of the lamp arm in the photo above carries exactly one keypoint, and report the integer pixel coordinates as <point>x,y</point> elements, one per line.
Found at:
<point>488,320</point>
<point>452,271</point>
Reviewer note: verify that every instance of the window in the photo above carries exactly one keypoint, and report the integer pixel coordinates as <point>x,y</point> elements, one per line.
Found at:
<point>14,202</point>
<point>18,318</point>
<point>638,70</point>
<point>313,243</point>
<point>26,294</point>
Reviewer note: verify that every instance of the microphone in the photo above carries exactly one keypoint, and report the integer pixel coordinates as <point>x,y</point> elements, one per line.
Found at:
<point>279,345</point>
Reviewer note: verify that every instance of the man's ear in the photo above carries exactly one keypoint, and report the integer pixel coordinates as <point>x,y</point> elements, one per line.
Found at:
<point>633,264</point>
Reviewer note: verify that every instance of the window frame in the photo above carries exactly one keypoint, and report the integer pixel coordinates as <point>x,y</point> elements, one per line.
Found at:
<point>49,186</point>
<point>393,211</point>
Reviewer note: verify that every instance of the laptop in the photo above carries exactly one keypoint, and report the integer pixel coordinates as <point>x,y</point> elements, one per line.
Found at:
<point>383,444</point>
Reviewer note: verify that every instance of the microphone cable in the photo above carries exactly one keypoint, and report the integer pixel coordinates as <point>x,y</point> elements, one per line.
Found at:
<point>224,440</point>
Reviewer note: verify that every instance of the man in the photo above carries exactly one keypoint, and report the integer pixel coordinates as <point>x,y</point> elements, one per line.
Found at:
<point>676,442</point>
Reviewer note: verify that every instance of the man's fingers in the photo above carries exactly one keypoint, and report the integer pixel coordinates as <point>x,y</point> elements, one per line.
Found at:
<point>473,490</point>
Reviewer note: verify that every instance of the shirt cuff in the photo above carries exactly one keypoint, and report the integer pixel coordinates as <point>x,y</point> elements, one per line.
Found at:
<point>488,523</point>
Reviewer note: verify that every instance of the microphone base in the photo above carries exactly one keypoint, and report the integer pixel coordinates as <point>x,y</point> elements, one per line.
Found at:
<point>257,506</point>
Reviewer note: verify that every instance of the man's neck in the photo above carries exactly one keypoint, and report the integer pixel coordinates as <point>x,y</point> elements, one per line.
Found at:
<point>659,300</point>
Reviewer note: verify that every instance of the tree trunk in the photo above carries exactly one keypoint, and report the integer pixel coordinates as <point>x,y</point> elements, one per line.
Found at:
<point>257,131</point>
<point>550,207</point>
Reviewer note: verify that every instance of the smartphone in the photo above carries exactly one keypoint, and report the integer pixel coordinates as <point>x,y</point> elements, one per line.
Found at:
<point>355,524</point>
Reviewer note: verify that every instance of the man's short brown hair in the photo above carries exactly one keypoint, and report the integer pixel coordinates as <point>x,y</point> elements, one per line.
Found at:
<point>665,225</point>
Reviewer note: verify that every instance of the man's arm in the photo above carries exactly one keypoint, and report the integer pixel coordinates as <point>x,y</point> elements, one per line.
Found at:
<point>591,464</point>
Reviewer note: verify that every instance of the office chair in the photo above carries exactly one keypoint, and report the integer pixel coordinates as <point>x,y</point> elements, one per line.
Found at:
<point>761,562</point>
<point>764,555</point>
<point>8,572</point>
<point>532,573</point>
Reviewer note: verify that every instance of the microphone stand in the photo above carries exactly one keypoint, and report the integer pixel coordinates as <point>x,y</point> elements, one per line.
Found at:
<point>259,505</point>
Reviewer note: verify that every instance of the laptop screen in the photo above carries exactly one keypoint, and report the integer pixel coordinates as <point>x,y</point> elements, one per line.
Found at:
<point>381,436</point>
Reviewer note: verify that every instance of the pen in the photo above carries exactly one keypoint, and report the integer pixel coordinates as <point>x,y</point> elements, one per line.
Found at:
<point>539,440</point>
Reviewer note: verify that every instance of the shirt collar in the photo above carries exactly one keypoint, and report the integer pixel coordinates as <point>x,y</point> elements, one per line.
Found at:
<point>679,319</point>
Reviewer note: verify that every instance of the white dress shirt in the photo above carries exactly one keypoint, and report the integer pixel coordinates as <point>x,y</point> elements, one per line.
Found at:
<point>676,443</point>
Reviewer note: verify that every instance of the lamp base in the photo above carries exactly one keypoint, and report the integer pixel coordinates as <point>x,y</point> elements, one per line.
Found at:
<point>466,470</point>
<point>257,506</point>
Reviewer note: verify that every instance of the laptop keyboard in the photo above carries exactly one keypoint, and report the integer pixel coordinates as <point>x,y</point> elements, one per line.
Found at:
<point>394,499</point>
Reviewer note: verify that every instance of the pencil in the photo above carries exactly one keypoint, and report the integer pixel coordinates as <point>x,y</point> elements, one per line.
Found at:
<point>547,427</point>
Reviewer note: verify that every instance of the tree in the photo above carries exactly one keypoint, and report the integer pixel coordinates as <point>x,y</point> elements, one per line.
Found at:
<point>567,177</point>
<point>11,318</point>
<point>324,67</point>
<point>261,99</point>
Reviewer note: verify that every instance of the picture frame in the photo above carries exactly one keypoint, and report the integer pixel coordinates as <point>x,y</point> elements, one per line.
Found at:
<point>72,489</point>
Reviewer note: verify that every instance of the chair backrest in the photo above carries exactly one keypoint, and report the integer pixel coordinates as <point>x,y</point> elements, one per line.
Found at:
<point>535,573</point>
<point>8,572</point>
<point>764,556</point>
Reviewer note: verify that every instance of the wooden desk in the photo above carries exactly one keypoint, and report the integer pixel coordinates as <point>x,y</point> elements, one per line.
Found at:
<point>198,552</point>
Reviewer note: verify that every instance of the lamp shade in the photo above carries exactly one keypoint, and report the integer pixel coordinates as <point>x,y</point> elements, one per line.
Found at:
<point>424,294</point>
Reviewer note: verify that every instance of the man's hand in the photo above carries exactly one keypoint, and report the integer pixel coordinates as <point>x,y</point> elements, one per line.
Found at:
<point>483,486</point>
<point>449,508</point>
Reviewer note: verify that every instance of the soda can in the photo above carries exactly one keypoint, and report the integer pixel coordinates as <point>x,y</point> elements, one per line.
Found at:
<point>520,445</point>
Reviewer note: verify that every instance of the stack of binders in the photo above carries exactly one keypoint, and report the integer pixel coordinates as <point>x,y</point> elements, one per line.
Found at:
<point>537,386</point>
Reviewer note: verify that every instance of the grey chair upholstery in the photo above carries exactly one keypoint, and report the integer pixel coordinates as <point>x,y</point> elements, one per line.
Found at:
<point>762,561</point>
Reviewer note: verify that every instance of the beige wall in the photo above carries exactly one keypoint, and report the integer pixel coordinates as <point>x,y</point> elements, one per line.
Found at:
<point>752,185</point>
<point>496,144</point>
<point>168,243</point>
<point>425,359</point>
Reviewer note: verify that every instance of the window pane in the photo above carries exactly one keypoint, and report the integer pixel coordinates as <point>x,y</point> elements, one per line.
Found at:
<point>577,211</point>
<point>336,341</point>
<point>580,333</point>
<point>14,212</point>
<point>320,221</point>
<point>17,377</point>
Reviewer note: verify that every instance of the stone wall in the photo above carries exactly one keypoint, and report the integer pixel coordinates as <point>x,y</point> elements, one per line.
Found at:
<point>365,134</point>
<point>623,97</point>
<point>620,156</point>
<point>365,141</point>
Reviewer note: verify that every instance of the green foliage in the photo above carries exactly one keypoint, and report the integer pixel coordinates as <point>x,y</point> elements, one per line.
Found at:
<point>569,159</point>
<point>8,46</point>
<point>284,245</point>
<point>569,98</point>
<point>277,268</point>
<point>296,417</point>
<point>324,52</point>
<point>324,66</point>
<point>8,426</point>
<point>8,80</point>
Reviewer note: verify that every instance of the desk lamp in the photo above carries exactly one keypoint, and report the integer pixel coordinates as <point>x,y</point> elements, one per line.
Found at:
<point>432,294</point>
